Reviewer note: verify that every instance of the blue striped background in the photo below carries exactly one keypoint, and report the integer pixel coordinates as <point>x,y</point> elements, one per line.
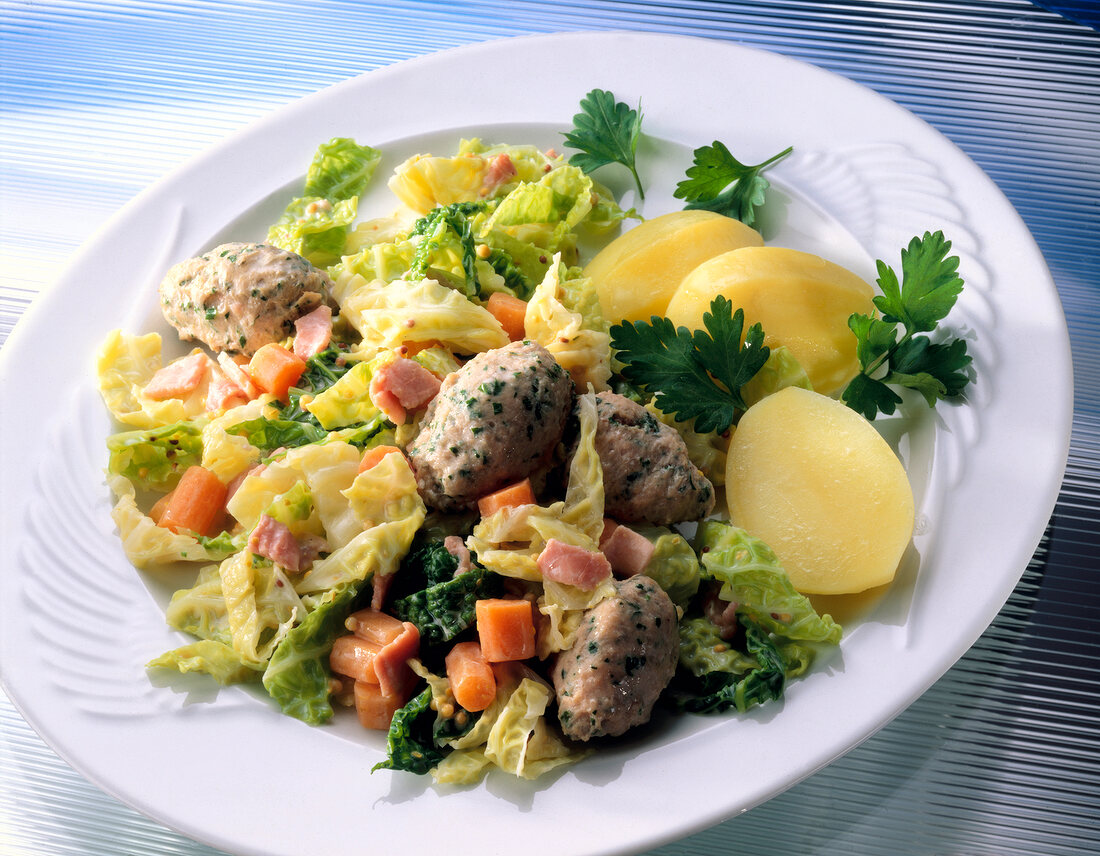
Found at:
<point>1001,756</point>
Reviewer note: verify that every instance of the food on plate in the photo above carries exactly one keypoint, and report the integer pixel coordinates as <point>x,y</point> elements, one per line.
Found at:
<point>238,297</point>
<point>802,301</point>
<point>815,481</point>
<point>717,181</point>
<point>606,131</point>
<point>893,349</point>
<point>450,491</point>
<point>623,657</point>
<point>695,376</point>
<point>638,272</point>
<point>648,475</point>
<point>496,420</point>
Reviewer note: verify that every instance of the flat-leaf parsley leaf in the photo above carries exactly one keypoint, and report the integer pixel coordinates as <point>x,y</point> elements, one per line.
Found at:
<point>717,181</point>
<point>606,131</point>
<point>694,376</point>
<point>927,291</point>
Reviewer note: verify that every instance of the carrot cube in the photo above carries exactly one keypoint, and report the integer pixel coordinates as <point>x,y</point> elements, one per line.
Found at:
<point>506,629</point>
<point>375,707</point>
<point>510,313</point>
<point>472,680</point>
<point>275,370</point>
<point>520,493</point>
<point>196,503</point>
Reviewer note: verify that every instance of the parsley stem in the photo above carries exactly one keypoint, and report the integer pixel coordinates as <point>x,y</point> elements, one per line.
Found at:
<point>775,158</point>
<point>886,356</point>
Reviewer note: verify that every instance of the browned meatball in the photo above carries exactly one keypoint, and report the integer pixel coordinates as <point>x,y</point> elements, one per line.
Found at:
<point>647,474</point>
<point>495,421</point>
<point>239,297</point>
<point>623,657</point>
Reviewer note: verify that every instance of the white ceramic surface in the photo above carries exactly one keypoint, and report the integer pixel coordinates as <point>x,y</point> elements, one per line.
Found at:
<point>77,623</point>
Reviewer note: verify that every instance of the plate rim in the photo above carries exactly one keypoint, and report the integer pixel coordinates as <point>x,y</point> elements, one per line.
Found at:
<point>580,40</point>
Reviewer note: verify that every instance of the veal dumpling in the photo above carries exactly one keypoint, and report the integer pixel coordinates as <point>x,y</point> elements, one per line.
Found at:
<point>495,421</point>
<point>239,297</point>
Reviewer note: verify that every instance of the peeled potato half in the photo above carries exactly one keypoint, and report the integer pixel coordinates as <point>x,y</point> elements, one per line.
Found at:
<point>637,273</point>
<point>814,480</point>
<point>801,301</point>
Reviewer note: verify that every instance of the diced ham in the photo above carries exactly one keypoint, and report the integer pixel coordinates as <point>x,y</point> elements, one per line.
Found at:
<point>501,170</point>
<point>313,332</point>
<point>178,379</point>
<point>380,588</point>
<point>388,403</point>
<point>722,613</point>
<point>312,546</point>
<point>609,526</point>
<point>236,373</point>
<point>572,565</point>
<point>238,480</point>
<point>222,393</point>
<point>374,626</point>
<point>391,664</point>
<point>402,385</point>
<point>273,540</point>
<point>385,664</point>
<point>628,551</point>
<point>456,546</point>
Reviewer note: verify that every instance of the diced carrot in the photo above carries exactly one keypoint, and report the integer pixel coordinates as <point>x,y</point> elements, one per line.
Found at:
<point>411,348</point>
<point>510,312</point>
<point>506,629</point>
<point>274,369</point>
<point>516,494</point>
<point>196,503</point>
<point>354,657</point>
<point>374,661</point>
<point>157,511</point>
<point>375,455</point>
<point>472,680</point>
<point>374,626</point>
<point>375,707</point>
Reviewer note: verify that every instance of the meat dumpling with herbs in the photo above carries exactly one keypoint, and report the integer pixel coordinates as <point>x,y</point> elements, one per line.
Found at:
<point>239,297</point>
<point>495,421</point>
<point>647,474</point>
<point>623,657</point>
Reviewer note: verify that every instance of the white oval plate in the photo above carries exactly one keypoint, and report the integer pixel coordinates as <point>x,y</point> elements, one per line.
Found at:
<point>225,767</point>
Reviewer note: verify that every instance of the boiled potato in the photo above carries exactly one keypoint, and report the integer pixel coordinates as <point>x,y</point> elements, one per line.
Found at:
<point>801,300</point>
<point>637,273</point>
<point>815,481</point>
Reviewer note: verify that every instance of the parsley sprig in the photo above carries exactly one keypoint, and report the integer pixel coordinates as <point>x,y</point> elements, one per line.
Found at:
<point>717,181</point>
<point>927,291</point>
<point>694,376</point>
<point>605,131</point>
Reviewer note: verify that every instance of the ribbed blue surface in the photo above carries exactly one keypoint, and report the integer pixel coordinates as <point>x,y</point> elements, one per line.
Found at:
<point>1001,756</point>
